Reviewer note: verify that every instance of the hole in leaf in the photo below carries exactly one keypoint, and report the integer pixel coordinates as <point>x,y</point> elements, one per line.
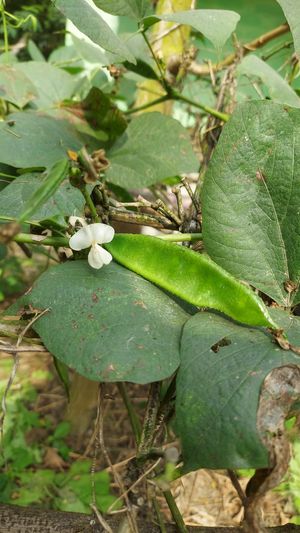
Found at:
<point>223,342</point>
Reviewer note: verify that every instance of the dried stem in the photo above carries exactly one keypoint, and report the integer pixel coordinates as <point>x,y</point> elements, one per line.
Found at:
<point>205,70</point>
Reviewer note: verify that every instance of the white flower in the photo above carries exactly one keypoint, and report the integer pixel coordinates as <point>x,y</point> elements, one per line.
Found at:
<point>93,235</point>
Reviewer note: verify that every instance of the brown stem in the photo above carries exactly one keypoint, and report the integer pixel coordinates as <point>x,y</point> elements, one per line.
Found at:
<point>204,70</point>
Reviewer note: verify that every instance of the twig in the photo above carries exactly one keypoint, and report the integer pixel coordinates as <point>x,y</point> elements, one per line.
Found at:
<point>134,420</point>
<point>100,519</point>
<point>20,349</point>
<point>145,474</point>
<point>15,351</point>
<point>99,425</point>
<point>204,70</point>
<point>164,33</point>
<point>143,219</point>
<point>235,482</point>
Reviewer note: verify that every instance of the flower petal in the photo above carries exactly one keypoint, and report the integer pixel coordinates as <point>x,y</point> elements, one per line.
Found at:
<point>102,233</point>
<point>73,220</point>
<point>98,256</point>
<point>83,238</point>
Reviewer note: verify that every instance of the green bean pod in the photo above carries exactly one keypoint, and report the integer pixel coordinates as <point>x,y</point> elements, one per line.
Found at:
<point>192,276</point>
<point>56,175</point>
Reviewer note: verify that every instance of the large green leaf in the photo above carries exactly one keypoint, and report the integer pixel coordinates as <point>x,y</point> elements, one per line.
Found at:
<point>215,24</point>
<point>66,201</point>
<point>279,90</point>
<point>223,366</point>
<point>109,325</point>
<point>52,84</point>
<point>131,8</point>
<point>291,9</point>
<point>154,147</point>
<point>102,114</point>
<point>15,87</point>
<point>86,17</point>
<point>31,139</point>
<point>251,199</point>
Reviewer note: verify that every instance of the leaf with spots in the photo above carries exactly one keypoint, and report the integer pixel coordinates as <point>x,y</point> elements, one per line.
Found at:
<point>251,199</point>
<point>223,367</point>
<point>109,325</point>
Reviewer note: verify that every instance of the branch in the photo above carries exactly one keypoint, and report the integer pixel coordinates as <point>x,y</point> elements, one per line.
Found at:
<point>17,519</point>
<point>204,70</point>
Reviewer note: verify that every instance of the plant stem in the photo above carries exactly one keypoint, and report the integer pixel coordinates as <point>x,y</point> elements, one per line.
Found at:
<point>181,237</point>
<point>159,515</point>
<point>90,204</point>
<point>214,112</point>
<point>176,514</point>
<point>35,239</point>
<point>174,95</point>
<point>4,23</point>
<point>149,423</point>
<point>28,238</point>
<point>134,421</point>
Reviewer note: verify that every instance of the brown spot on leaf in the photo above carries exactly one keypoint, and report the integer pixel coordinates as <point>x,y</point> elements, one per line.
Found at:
<point>140,303</point>
<point>290,286</point>
<point>95,298</point>
<point>260,176</point>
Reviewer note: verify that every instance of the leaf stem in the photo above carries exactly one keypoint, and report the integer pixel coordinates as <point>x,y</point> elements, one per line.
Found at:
<point>159,100</point>
<point>161,73</point>
<point>214,112</point>
<point>134,420</point>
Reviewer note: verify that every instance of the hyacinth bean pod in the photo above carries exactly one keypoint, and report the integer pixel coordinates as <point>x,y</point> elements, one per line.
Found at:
<point>191,276</point>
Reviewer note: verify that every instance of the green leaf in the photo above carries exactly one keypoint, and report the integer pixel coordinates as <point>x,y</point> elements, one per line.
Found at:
<point>291,9</point>
<point>279,89</point>
<point>251,198</point>
<point>142,68</point>
<point>86,17</point>
<point>215,24</point>
<point>67,200</point>
<point>223,366</point>
<point>31,139</point>
<point>103,115</point>
<point>154,147</point>
<point>54,178</point>
<point>52,84</point>
<point>15,86</point>
<point>109,325</point>
<point>62,430</point>
<point>191,276</point>
<point>135,9</point>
